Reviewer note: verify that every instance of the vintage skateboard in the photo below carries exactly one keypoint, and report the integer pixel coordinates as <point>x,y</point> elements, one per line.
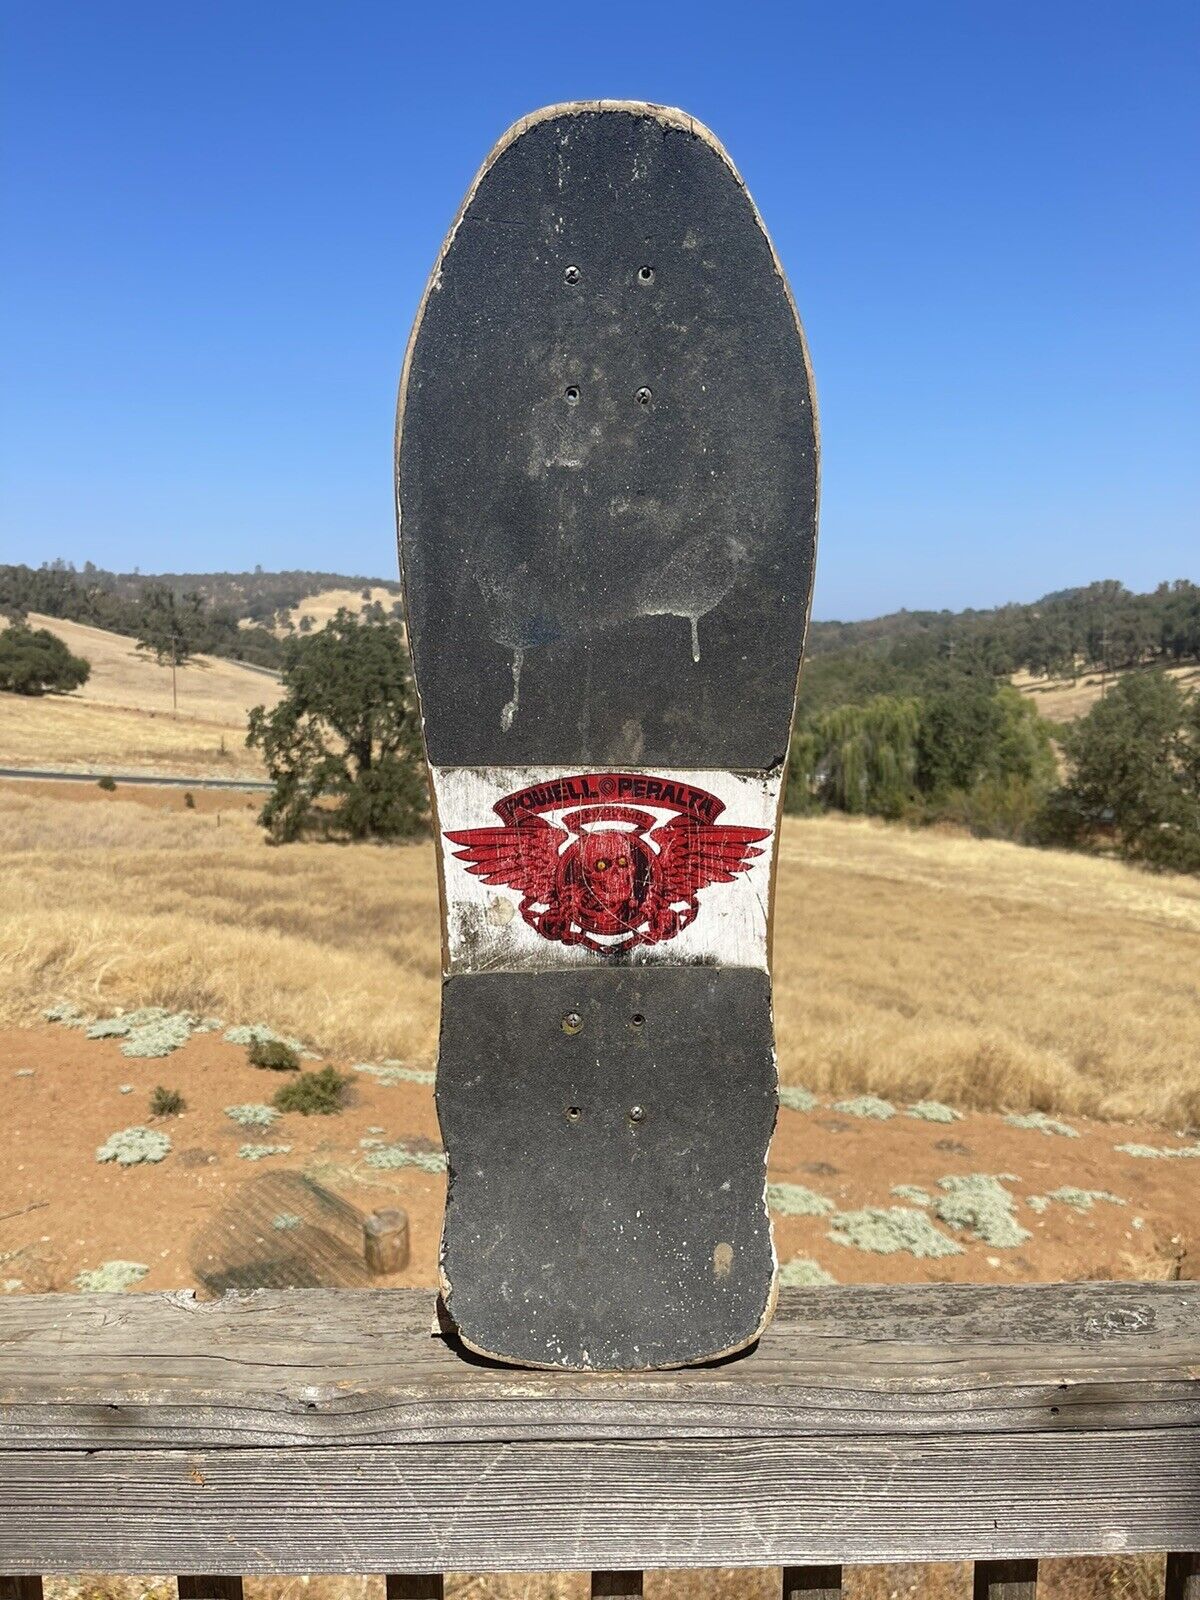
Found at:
<point>607,488</point>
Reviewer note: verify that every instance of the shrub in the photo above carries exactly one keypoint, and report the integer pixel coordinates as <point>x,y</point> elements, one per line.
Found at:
<point>131,1146</point>
<point>112,1277</point>
<point>33,661</point>
<point>166,1102</point>
<point>274,1055</point>
<point>313,1093</point>
<point>253,1116</point>
<point>189,800</point>
<point>107,784</point>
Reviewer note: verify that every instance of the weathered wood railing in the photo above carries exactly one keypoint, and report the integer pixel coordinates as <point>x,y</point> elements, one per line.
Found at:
<point>332,1431</point>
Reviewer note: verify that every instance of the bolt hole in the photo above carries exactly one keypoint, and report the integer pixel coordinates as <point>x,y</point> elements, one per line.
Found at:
<point>573,1113</point>
<point>571,395</point>
<point>643,397</point>
<point>572,275</point>
<point>572,1022</point>
<point>646,274</point>
<point>637,1020</point>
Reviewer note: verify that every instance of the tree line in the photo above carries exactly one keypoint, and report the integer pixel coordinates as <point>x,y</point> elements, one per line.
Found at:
<point>1102,627</point>
<point>959,746</point>
<point>911,718</point>
<point>233,612</point>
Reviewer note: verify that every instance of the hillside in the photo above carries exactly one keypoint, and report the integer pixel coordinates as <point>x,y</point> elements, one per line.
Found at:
<point>122,719</point>
<point>1065,699</point>
<point>315,610</point>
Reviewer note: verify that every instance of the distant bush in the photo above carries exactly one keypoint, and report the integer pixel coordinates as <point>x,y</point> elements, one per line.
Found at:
<point>274,1055</point>
<point>166,1102</point>
<point>314,1093</point>
<point>189,800</point>
<point>36,661</point>
<point>107,784</point>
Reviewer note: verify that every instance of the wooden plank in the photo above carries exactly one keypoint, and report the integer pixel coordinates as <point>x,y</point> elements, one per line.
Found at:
<point>812,1583</point>
<point>599,1504</point>
<point>1005,1580</point>
<point>209,1587</point>
<point>1183,1576</point>
<point>415,1586</point>
<point>28,1588</point>
<point>316,1367</point>
<point>616,1585</point>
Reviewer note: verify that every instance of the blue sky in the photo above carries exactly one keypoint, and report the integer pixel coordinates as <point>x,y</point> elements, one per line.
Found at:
<point>218,216</point>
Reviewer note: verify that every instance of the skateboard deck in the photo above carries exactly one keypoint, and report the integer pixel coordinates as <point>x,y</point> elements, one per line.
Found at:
<point>607,489</point>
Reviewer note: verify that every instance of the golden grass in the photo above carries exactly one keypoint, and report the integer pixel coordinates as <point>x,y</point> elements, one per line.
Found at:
<point>323,607</point>
<point>1087,1578</point>
<point>918,963</point>
<point>121,905</point>
<point>1064,699</point>
<point>908,963</point>
<point>64,734</point>
<point>211,689</point>
<point>122,718</point>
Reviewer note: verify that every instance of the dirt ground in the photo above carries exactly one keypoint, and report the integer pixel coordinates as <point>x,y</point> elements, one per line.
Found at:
<point>62,1212</point>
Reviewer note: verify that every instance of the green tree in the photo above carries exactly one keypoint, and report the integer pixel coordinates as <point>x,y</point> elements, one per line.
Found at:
<point>171,628</point>
<point>346,730</point>
<point>858,758</point>
<point>1135,774</point>
<point>36,661</point>
<point>959,730</point>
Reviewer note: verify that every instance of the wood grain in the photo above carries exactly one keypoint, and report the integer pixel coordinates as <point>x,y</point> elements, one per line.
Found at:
<point>208,1587</point>
<point>318,1431</point>
<point>330,1367</point>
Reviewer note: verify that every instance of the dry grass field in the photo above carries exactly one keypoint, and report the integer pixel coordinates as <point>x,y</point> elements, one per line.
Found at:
<point>122,720</point>
<point>908,963</point>
<point>1064,699</point>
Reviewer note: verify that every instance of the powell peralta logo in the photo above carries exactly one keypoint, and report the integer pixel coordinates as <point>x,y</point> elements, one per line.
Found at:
<point>604,872</point>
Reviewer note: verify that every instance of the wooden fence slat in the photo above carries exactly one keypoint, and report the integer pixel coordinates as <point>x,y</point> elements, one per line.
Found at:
<point>208,1587</point>
<point>20,1588</point>
<point>599,1504</point>
<point>616,1585</point>
<point>415,1586</point>
<point>326,1367</point>
<point>812,1583</point>
<point>1183,1575</point>
<point>945,1422</point>
<point>1006,1580</point>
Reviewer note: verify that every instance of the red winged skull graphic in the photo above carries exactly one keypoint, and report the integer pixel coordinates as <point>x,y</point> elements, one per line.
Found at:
<point>609,876</point>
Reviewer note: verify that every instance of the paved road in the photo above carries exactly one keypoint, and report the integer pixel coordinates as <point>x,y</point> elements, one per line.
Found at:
<point>249,784</point>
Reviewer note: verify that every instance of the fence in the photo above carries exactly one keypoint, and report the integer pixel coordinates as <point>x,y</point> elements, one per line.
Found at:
<point>333,1431</point>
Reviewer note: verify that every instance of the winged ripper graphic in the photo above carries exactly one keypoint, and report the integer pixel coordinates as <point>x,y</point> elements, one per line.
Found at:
<point>610,876</point>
